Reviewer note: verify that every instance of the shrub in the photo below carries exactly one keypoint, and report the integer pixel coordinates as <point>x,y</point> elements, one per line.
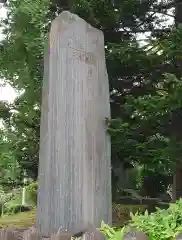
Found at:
<point>31,191</point>
<point>162,224</point>
<point>113,233</point>
<point>16,209</point>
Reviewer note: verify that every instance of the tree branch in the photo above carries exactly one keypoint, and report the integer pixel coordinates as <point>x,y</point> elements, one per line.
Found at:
<point>163,13</point>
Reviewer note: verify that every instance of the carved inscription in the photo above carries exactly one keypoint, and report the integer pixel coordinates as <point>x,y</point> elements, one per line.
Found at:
<point>79,53</point>
<point>75,44</point>
<point>90,71</point>
<point>83,56</point>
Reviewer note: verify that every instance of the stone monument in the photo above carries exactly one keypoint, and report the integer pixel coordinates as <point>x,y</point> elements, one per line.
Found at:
<point>74,168</point>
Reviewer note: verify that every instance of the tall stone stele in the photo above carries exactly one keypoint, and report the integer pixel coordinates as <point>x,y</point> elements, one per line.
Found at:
<point>74,168</point>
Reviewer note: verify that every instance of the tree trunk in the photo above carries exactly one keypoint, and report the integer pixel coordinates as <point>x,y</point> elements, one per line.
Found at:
<point>177,184</point>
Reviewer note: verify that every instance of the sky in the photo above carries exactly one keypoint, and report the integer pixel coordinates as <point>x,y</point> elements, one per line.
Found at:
<point>6,93</point>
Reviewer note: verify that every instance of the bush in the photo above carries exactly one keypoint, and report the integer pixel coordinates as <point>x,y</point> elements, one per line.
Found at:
<point>31,191</point>
<point>163,224</point>
<point>112,233</point>
<point>121,212</point>
<point>16,209</point>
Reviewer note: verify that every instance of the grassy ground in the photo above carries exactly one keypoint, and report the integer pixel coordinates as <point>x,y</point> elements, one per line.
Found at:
<point>121,214</point>
<point>20,220</point>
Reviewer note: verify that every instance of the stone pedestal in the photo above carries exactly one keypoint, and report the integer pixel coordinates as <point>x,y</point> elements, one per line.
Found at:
<point>74,167</point>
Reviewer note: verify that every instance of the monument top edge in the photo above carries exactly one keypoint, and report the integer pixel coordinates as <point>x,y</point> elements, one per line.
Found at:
<point>69,18</point>
<point>70,15</point>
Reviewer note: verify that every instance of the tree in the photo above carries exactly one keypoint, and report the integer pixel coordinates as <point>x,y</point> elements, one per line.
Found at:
<point>22,66</point>
<point>135,73</point>
<point>10,171</point>
<point>177,188</point>
<point>151,133</point>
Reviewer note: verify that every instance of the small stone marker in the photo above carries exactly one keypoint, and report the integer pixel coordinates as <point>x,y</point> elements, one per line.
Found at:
<point>135,235</point>
<point>179,237</point>
<point>94,235</point>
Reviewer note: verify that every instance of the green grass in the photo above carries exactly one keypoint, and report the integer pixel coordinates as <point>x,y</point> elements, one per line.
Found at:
<point>19,220</point>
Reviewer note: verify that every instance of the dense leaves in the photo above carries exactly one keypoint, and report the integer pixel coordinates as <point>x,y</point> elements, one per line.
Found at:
<point>10,171</point>
<point>164,224</point>
<point>22,66</point>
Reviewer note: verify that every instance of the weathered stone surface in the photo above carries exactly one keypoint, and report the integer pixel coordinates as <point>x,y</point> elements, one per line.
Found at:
<point>74,168</point>
<point>94,235</point>
<point>6,234</point>
<point>61,236</point>
<point>30,231</point>
<point>179,237</point>
<point>32,236</point>
<point>135,235</point>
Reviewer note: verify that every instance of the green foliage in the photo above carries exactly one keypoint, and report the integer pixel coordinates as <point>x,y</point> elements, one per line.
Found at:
<point>143,138</point>
<point>10,172</point>
<point>21,64</point>
<point>112,233</point>
<point>31,192</point>
<point>11,210</point>
<point>149,135</point>
<point>163,224</point>
<point>6,197</point>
